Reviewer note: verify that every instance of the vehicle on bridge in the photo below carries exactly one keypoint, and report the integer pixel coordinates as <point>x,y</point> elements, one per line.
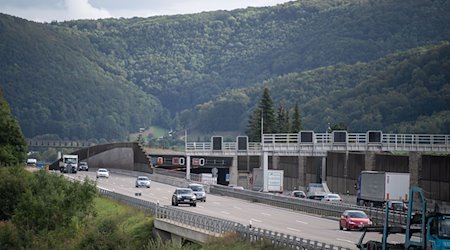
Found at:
<point>423,230</point>
<point>184,196</point>
<point>142,181</point>
<point>199,191</point>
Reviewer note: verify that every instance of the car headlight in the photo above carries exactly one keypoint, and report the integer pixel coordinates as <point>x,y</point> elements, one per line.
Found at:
<point>179,196</point>
<point>194,197</point>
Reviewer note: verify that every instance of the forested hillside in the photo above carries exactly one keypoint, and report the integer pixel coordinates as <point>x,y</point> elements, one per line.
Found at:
<point>57,83</point>
<point>207,69</point>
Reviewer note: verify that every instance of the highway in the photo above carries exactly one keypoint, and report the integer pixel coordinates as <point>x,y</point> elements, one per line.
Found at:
<point>259,215</point>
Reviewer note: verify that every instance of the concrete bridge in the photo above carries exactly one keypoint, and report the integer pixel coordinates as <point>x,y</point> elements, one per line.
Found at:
<point>306,157</point>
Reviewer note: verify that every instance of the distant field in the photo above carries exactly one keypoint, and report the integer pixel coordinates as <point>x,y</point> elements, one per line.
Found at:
<point>155,131</point>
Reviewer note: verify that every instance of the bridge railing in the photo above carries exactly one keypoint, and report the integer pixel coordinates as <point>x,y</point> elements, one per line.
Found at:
<point>338,140</point>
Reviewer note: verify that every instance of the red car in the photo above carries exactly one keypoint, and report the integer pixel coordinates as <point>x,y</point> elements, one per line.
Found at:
<point>353,219</point>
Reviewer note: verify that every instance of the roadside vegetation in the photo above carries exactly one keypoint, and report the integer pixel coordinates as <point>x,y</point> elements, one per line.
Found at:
<point>43,210</point>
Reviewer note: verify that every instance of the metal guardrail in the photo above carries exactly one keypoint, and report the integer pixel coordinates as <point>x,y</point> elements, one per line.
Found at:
<point>327,209</point>
<point>220,226</point>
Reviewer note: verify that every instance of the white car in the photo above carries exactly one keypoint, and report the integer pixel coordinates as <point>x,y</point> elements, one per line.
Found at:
<point>332,198</point>
<point>102,172</point>
<point>143,181</point>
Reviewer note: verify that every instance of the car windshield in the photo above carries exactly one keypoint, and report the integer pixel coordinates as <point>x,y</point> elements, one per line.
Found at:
<point>361,215</point>
<point>143,178</point>
<point>333,196</point>
<point>197,188</point>
<point>184,191</point>
<point>444,228</point>
<point>83,163</point>
<point>102,170</point>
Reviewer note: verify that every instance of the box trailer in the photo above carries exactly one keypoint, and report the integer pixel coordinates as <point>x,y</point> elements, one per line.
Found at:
<point>376,187</point>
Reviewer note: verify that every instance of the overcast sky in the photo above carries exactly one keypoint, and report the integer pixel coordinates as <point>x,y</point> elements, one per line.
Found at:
<point>60,10</point>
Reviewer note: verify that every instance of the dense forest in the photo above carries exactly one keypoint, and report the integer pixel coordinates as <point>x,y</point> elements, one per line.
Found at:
<point>369,64</point>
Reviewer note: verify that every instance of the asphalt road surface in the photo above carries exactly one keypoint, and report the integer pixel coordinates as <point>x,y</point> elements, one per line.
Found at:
<point>258,215</point>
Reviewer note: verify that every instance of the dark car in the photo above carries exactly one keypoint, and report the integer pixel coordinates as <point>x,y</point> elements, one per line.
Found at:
<point>184,196</point>
<point>354,219</point>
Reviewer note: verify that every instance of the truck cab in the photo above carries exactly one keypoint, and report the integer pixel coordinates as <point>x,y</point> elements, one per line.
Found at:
<point>69,164</point>
<point>438,235</point>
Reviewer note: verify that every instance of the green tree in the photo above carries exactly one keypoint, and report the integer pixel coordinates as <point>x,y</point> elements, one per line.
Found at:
<point>268,114</point>
<point>53,203</point>
<point>296,120</point>
<point>282,119</point>
<point>253,130</point>
<point>12,187</point>
<point>13,147</point>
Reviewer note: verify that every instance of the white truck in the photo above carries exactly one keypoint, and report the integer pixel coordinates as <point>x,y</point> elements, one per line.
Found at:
<point>374,188</point>
<point>274,180</point>
<point>69,164</point>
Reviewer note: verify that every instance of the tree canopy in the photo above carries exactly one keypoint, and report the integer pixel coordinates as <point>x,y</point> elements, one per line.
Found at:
<point>13,147</point>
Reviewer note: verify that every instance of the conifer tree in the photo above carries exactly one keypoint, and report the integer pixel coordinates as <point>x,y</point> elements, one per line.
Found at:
<point>296,120</point>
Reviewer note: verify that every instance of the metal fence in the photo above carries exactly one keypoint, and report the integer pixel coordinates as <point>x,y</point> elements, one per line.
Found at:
<point>219,226</point>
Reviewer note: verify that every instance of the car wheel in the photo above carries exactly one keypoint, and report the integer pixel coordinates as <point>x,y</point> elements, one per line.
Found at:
<point>137,186</point>
<point>340,226</point>
<point>148,186</point>
<point>195,204</point>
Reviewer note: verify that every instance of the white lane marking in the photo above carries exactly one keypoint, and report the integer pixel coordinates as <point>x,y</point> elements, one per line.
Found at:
<point>299,221</point>
<point>293,229</point>
<point>224,212</point>
<point>266,214</point>
<point>216,203</point>
<point>349,241</point>
<point>255,220</point>
<point>200,206</point>
<point>345,232</point>
<point>237,208</point>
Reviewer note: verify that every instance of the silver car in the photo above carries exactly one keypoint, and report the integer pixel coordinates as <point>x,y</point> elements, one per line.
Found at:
<point>199,191</point>
<point>142,181</point>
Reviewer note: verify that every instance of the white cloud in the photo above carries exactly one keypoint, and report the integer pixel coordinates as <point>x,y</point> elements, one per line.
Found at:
<point>61,10</point>
<point>81,9</point>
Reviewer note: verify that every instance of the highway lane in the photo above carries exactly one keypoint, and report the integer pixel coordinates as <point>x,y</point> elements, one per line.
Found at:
<point>259,215</point>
